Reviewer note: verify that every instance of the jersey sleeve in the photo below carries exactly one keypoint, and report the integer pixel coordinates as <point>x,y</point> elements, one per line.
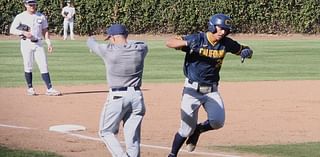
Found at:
<point>144,49</point>
<point>63,9</point>
<point>93,45</point>
<point>44,22</point>
<point>97,48</point>
<point>140,46</point>
<point>190,38</point>
<point>13,29</point>
<point>232,46</point>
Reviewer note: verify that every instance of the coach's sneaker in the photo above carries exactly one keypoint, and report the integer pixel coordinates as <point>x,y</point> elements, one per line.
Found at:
<point>192,141</point>
<point>53,92</point>
<point>31,92</point>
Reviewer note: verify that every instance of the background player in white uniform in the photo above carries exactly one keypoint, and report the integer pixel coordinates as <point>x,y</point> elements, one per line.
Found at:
<point>35,27</point>
<point>68,13</point>
<point>124,60</point>
<point>204,54</point>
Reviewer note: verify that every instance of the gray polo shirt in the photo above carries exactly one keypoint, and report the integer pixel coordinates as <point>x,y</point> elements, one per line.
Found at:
<point>124,63</point>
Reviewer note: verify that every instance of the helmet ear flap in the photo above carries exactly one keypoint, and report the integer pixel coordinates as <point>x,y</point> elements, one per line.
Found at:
<point>212,28</point>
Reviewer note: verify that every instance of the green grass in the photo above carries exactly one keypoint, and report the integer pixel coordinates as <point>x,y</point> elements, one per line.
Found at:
<point>276,60</point>
<point>290,150</point>
<point>6,152</point>
<point>71,63</point>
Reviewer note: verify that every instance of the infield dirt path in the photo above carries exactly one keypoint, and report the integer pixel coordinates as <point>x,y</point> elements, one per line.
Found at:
<point>264,112</point>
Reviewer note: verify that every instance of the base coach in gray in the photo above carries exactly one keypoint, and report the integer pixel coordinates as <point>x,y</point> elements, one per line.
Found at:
<point>124,60</point>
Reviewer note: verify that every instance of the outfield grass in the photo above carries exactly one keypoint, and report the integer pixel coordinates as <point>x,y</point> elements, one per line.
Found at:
<point>311,149</point>
<point>6,152</point>
<point>71,63</point>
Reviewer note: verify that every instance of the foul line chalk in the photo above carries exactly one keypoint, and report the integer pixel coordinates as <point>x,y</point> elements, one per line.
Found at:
<point>15,127</point>
<point>142,145</point>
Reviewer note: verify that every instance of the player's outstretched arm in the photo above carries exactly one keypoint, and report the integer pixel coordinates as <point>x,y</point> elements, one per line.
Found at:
<point>93,45</point>
<point>176,43</point>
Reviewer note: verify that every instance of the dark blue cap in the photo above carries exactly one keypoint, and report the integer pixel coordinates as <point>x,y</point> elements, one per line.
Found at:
<point>30,1</point>
<point>116,29</point>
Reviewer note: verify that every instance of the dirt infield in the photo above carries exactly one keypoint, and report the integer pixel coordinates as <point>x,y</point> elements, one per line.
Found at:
<point>264,112</point>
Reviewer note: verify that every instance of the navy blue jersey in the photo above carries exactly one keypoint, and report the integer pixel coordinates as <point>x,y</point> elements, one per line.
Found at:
<point>204,63</point>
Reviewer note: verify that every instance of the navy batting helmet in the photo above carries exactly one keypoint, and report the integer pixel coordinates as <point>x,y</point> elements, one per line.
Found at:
<point>220,20</point>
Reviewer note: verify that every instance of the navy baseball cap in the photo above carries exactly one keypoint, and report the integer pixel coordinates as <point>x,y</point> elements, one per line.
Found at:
<point>30,1</point>
<point>116,29</point>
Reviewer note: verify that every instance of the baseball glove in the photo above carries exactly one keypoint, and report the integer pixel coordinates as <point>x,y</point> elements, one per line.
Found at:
<point>23,27</point>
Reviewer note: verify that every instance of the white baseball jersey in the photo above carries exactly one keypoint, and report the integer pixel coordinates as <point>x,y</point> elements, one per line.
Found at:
<point>71,11</point>
<point>37,22</point>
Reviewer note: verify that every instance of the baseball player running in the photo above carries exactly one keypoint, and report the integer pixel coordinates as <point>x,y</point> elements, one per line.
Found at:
<point>31,26</point>
<point>124,60</point>
<point>204,55</point>
<point>68,13</point>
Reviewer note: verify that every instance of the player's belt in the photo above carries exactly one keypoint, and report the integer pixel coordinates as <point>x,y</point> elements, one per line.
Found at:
<point>34,40</point>
<point>201,84</point>
<point>202,88</point>
<point>123,89</point>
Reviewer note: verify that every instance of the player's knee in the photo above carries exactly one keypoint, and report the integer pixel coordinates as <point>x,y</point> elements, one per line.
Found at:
<point>186,132</point>
<point>216,124</point>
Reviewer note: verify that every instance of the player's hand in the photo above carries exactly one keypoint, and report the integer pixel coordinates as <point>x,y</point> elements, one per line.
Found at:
<point>246,53</point>
<point>27,34</point>
<point>50,48</point>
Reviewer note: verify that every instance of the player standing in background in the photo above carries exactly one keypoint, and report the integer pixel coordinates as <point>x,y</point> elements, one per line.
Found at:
<point>31,26</point>
<point>204,55</point>
<point>68,13</point>
<point>124,61</point>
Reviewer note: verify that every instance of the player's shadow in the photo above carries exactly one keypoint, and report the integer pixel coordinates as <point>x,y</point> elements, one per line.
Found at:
<point>91,92</point>
<point>85,92</point>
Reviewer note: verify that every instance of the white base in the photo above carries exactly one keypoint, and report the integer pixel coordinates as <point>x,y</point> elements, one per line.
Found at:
<point>67,128</point>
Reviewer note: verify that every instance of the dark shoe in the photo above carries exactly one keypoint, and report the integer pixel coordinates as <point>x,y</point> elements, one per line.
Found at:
<point>193,140</point>
<point>171,155</point>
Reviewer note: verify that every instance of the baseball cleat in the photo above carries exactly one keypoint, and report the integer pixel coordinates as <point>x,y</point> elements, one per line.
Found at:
<point>191,147</point>
<point>192,141</point>
<point>31,92</point>
<point>53,92</point>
